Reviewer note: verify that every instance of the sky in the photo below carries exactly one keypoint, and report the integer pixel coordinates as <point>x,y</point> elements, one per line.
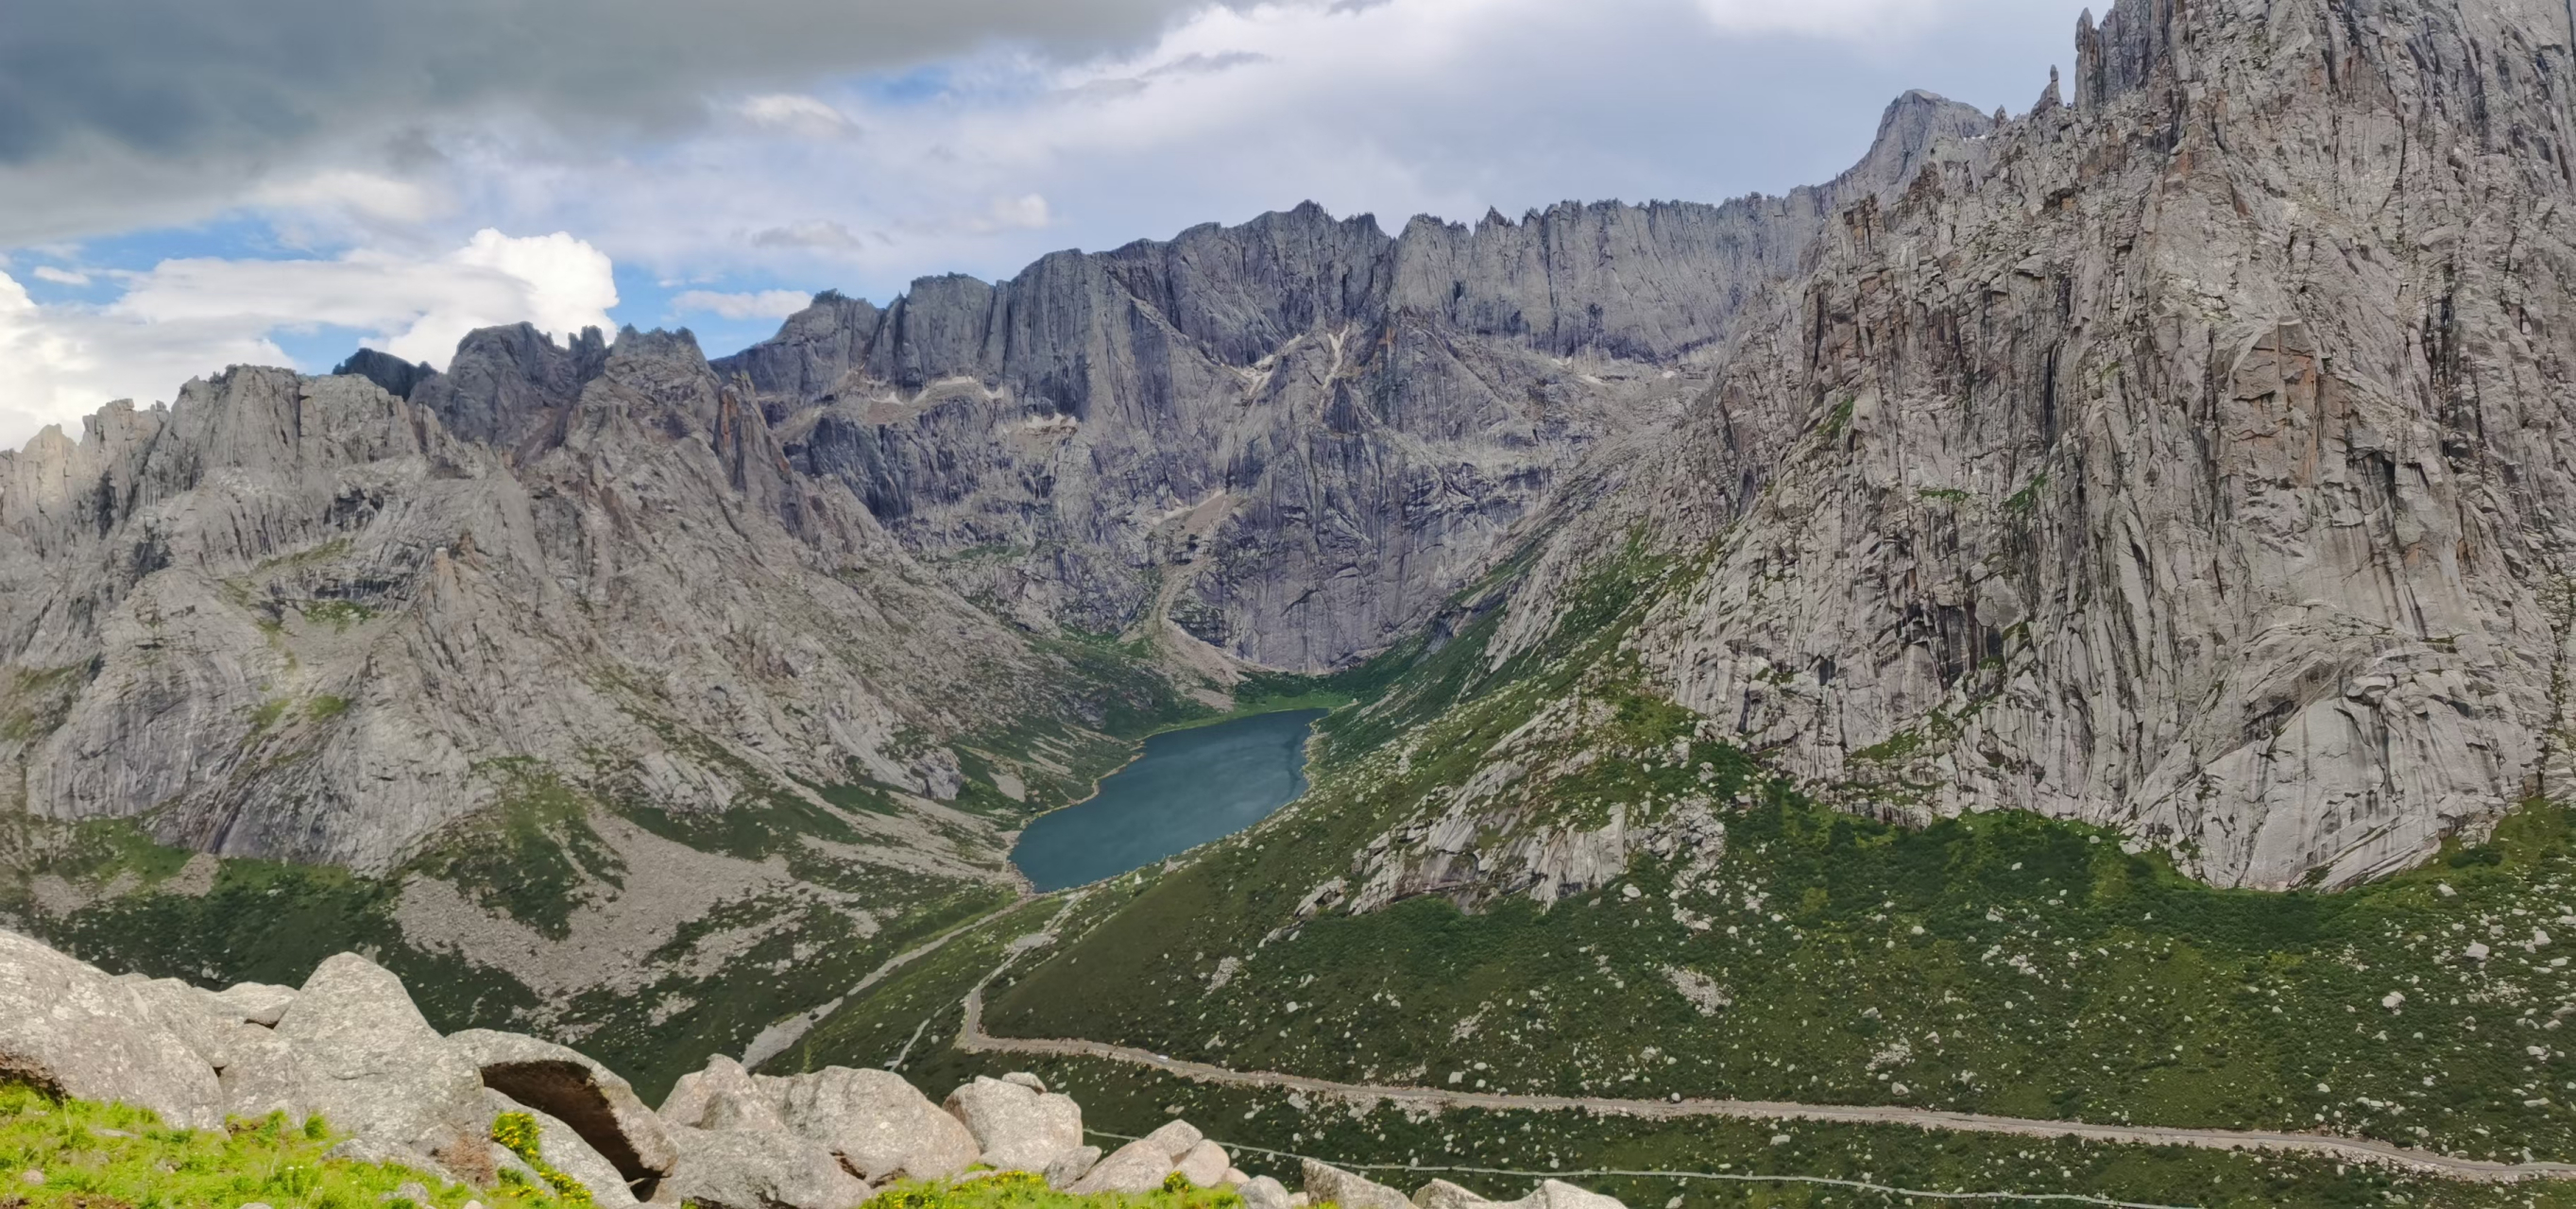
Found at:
<point>191,184</point>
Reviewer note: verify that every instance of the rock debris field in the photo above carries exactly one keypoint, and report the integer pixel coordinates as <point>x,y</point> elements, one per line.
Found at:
<point>350,1047</point>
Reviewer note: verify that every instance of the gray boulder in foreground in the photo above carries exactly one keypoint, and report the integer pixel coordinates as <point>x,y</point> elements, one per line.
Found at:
<point>1327,1183</point>
<point>879,1124</point>
<point>750,1169</point>
<point>565,1150</point>
<point>721,1097</point>
<point>377,1069</point>
<point>66,1026</point>
<point>1143,1165</point>
<point>587,1097</point>
<point>1016,1128</point>
<point>1263,1192</point>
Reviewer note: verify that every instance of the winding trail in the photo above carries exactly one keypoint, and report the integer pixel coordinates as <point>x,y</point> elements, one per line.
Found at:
<point>973,1039</point>
<point>783,1035</point>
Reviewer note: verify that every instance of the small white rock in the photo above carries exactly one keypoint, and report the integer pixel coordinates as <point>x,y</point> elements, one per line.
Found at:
<point>2477,951</point>
<point>32,1176</point>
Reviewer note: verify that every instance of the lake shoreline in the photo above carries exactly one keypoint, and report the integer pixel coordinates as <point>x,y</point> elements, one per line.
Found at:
<point>1170,798</point>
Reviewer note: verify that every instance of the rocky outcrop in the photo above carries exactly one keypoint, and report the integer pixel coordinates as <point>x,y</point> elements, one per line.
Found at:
<point>303,618</point>
<point>68,1028</point>
<point>2185,459</point>
<point>879,1126</point>
<point>589,1099</point>
<point>1327,1184</point>
<point>374,1067</point>
<point>1017,1127</point>
<point>725,1139</point>
<point>1293,439</point>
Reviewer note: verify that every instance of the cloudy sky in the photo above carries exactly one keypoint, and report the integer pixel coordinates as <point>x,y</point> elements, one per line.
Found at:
<point>186,184</point>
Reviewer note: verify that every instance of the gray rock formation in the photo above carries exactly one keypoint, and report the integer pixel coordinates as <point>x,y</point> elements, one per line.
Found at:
<point>2188,463</point>
<point>1143,1165</point>
<point>1291,439</point>
<point>1263,1192</point>
<point>1324,1183</point>
<point>1016,1128</point>
<point>302,618</point>
<point>751,1169</point>
<point>725,1140</point>
<point>880,1125</point>
<point>586,1097</point>
<point>67,1027</point>
<point>567,1151</point>
<point>374,1067</point>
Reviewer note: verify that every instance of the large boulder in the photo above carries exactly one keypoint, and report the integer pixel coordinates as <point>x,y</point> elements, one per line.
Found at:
<point>590,1099</point>
<point>880,1125</point>
<point>563,1148</point>
<point>375,1068</point>
<point>1328,1183</point>
<point>1263,1192</point>
<point>1016,1127</point>
<point>253,1002</point>
<point>1204,1165</point>
<point>741,1169</point>
<point>69,1028</point>
<point>1071,1166</point>
<point>1557,1194</point>
<point>1143,1165</point>
<point>1552,1194</point>
<point>722,1097</point>
<point>1441,1194</point>
<point>263,1074</point>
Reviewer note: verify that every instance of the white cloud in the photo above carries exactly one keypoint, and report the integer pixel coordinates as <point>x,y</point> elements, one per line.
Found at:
<point>1395,108</point>
<point>61,276</point>
<point>185,318</point>
<point>767,304</point>
<point>796,114</point>
<point>367,195</point>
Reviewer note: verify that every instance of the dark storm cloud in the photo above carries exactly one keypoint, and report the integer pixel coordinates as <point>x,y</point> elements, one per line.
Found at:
<point>219,79</point>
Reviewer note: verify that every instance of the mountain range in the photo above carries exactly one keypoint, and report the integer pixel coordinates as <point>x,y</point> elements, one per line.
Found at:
<point>2181,468</point>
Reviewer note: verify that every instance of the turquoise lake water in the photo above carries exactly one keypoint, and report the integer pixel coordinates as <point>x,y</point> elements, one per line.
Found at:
<point>1189,787</point>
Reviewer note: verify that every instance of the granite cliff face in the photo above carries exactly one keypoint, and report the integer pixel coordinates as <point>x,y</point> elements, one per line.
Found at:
<point>1291,440</point>
<point>302,618</point>
<point>2194,458</point>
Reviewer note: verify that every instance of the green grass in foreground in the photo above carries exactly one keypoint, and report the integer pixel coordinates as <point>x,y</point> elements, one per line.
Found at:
<point>109,1156</point>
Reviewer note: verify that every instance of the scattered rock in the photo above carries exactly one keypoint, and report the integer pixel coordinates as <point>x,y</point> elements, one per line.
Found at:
<point>1015,1128</point>
<point>1027,1080</point>
<point>33,1176</point>
<point>412,1191</point>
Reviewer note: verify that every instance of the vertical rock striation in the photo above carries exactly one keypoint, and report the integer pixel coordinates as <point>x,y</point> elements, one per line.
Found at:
<point>2196,460</point>
<point>1291,439</point>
